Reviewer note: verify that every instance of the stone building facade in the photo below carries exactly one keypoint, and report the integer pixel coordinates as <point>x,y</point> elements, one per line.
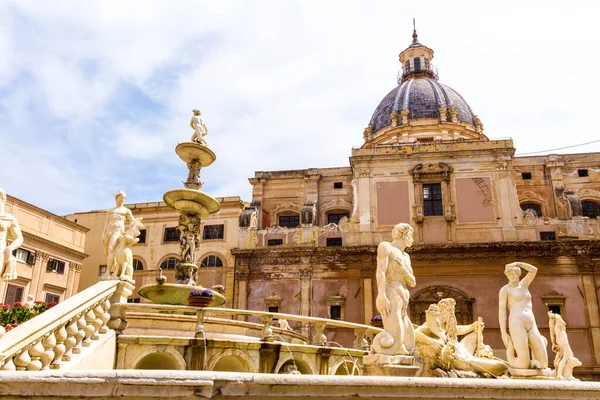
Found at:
<point>308,240</point>
<point>50,259</point>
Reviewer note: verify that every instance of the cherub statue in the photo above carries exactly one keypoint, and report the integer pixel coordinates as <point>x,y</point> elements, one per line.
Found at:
<point>283,324</point>
<point>9,229</point>
<point>123,257</point>
<point>565,360</point>
<point>188,244</point>
<point>199,127</point>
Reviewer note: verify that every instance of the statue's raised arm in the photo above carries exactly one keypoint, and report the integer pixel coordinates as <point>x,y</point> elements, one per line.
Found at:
<point>9,231</point>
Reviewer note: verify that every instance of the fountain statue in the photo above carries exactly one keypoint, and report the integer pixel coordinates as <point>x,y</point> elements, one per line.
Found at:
<point>118,240</point>
<point>9,229</point>
<point>525,345</point>
<point>565,360</point>
<point>193,205</point>
<point>444,355</point>
<point>391,350</point>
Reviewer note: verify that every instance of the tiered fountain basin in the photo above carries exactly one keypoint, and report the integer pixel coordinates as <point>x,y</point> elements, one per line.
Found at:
<point>175,294</point>
<point>191,202</point>
<point>192,151</point>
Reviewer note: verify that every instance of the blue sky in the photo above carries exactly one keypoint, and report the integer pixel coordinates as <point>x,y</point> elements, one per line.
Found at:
<point>95,95</point>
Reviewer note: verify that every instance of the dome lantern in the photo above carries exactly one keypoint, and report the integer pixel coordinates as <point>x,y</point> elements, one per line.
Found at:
<point>416,60</point>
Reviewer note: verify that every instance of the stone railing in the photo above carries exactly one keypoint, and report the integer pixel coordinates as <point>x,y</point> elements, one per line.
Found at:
<point>52,338</point>
<point>318,339</point>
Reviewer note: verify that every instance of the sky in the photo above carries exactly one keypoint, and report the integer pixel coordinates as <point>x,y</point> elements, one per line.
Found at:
<point>95,95</point>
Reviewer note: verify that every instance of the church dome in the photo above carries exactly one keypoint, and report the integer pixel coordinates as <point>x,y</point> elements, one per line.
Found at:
<point>420,108</point>
<point>423,98</point>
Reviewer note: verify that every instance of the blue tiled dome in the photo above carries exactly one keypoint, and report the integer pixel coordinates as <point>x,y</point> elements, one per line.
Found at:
<point>422,97</point>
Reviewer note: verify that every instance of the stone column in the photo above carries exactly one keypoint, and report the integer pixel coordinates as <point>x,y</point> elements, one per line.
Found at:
<point>364,200</point>
<point>366,273</point>
<point>37,281</point>
<point>241,277</point>
<point>305,275</point>
<point>71,279</point>
<point>585,268</point>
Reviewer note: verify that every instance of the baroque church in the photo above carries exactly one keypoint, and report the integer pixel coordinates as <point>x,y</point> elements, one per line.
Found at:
<point>306,242</point>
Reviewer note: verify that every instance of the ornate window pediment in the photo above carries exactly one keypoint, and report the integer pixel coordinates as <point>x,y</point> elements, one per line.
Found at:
<point>419,303</point>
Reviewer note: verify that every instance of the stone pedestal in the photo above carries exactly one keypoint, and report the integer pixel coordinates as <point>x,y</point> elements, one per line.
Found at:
<point>523,373</point>
<point>383,365</point>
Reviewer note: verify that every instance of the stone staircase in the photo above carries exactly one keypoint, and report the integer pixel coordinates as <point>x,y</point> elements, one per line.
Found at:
<point>79,333</point>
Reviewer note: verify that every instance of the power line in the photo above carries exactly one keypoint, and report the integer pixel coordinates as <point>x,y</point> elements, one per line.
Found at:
<point>560,148</point>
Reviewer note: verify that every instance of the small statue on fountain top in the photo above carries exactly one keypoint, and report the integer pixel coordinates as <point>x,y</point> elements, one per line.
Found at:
<point>199,127</point>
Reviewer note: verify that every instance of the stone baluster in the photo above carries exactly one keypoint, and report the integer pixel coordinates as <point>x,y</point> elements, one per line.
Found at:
<point>60,348</point>
<point>99,313</point>
<point>36,352</point>
<point>80,334</point>
<point>267,332</point>
<point>71,339</point>
<point>319,339</point>
<point>89,329</point>
<point>105,316</point>
<point>49,342</point>
<point>23,359</point>
<point>8,365</point>
<point>359,338</point>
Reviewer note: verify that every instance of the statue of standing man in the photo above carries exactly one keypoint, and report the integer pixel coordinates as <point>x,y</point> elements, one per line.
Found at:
<point>9,229</point>
<point>199,127</point>
<point>114,228</point>
<point>394,277</point>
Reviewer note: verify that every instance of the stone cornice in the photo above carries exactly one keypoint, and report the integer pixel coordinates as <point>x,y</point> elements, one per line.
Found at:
<point>77,255</point>
<point>61,220</point>
<point>452,251</point>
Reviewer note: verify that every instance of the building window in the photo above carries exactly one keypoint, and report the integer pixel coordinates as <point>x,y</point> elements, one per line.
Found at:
<point>137,265</point>
<point>335,218</point>
<point>14,294</point>
<point>590,209</point>
<point>582,173</point>
<point>213,232</point>
<point>274,242</point>
<point>417,63</point>
<point>289,221</point>
<point>432,199</point>
<point>547,235</point>
<point>102,270</point>
<point>274,309</point>
<point>134,300</point>
<point>335,312</point>
<point>273,303</point>
<point>426,64</point>
<point>171,235</point>
<point>335,305</point>
<point>56,266</point>
<point>52,298</point>
<point>334,242</point>
<point>532,206</point>
<point>211,262</point>
<point>25,256</point>
<point>169,263</point>
<point>526,175</point>
<point>555,303</point>
<point>142,237</point>
<point>337,185</point>
<point>407,67</point>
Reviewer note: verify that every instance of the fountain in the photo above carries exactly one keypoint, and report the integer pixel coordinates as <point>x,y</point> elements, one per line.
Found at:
<point>192,205</point>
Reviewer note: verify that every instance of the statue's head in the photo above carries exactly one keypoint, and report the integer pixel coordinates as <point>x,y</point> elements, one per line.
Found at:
<point>2,196</point>
<point>403,232</point>
<point>512,272</point>
<point>196,112</point>
<point>120,196</point>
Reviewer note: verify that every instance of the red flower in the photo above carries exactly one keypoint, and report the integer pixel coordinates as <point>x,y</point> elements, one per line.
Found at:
<point>50,305</point>
<point>6,306</point>
<point>18,304</point>
<point>39,302</point>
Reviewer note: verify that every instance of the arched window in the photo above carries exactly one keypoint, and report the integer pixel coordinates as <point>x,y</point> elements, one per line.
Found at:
<point>169,263</point>
<point>288,220</point>
<point>532,206</point>
<point>211,262</point>
<point>590,209</point>
<point>137,265</point>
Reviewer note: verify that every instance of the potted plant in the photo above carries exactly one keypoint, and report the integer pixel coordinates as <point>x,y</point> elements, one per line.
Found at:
<point>377,322</point>
<point>200,297</point>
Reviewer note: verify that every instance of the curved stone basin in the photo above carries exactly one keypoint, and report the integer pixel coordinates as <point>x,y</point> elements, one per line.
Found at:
<point>174,294</point>
<point>192,202</point>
